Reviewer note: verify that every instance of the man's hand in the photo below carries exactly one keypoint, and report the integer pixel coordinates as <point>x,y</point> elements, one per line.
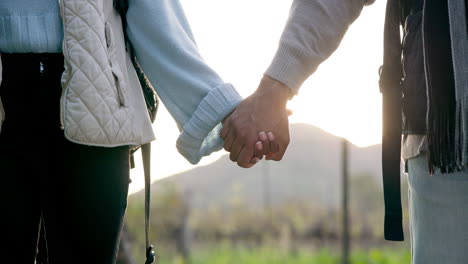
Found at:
<point>250,123</point>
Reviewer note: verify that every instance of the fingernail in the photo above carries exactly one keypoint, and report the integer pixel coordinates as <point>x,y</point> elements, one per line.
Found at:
<point>259,145</point>
<point>271,137</point>
<point>262,136</point>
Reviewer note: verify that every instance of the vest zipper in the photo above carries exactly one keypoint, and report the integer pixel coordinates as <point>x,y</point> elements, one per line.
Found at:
<point>66,66</point>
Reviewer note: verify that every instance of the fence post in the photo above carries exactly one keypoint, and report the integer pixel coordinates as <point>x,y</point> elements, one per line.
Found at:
<point>345,203</point>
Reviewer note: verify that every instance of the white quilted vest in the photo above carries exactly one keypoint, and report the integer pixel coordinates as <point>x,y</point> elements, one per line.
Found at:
<point>102,101</point>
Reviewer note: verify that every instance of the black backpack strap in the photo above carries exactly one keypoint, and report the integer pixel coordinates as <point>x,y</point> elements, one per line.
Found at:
<point>146,155</point>
<point>390,86</point>
<point>152,103</point>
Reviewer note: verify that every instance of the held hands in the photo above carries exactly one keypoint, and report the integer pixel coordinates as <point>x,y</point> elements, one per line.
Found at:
<point>259,125</point>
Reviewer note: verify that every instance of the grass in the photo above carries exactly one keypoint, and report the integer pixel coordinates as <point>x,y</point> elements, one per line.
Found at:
<point>230,255</point>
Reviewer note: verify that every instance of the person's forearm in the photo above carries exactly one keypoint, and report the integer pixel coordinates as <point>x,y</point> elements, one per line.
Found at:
<point>313,32</point>
<point>191,90</point>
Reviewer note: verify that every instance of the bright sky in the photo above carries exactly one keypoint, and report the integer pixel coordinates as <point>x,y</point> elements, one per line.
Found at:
<point>239,38</point>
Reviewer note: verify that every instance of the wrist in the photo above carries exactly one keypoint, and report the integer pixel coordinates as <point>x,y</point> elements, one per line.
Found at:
<point>277,91</point>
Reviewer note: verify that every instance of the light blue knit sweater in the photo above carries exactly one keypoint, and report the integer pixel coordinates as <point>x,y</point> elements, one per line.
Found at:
<point>193,93</point>
<point>30,26</point>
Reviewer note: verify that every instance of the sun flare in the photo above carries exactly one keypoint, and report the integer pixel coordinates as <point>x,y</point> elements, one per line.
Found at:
<point>239,38</point>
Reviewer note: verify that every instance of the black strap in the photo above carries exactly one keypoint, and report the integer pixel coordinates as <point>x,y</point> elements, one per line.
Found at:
<point>390,87</point>
<point>152,105</point>
<point>146,155</point>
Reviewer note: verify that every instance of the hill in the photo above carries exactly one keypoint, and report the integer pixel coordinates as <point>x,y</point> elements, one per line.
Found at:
<point>309,171</point>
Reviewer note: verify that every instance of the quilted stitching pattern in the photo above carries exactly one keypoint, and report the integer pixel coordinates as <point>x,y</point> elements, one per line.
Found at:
<point>92,104</point>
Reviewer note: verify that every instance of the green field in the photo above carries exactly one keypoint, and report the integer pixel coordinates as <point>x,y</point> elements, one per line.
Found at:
<point>230,255</point>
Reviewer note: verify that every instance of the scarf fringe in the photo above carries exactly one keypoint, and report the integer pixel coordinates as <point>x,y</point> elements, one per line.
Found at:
<point>448,146</point>
<point>444,140</point>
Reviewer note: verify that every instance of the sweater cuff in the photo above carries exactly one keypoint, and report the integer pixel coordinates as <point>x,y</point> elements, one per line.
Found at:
<point>201,134</point>
<point>287,67</point>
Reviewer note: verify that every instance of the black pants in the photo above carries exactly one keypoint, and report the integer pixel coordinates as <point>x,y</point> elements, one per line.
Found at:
<point>80,192</point>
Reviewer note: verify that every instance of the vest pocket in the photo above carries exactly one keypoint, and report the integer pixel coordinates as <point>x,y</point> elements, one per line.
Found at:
<point>114,65</point>
<point>119,84</point>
